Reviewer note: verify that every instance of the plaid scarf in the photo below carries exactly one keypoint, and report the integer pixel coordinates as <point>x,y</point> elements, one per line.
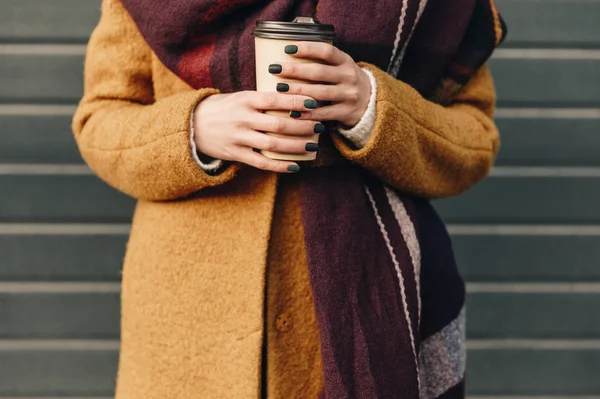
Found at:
<point>387,293</point>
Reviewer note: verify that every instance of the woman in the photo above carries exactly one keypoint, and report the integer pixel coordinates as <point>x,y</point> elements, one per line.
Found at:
<point>246,276</point>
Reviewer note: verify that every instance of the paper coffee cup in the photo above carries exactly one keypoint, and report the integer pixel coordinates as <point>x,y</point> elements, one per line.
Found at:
<point>270,40</point>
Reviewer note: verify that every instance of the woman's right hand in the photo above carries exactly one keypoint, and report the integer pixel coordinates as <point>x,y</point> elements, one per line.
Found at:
<point>230,126</point>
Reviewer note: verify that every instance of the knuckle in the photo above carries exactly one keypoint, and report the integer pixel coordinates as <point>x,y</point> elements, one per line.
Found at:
<point>347,75</point>
<point>261,164</point>
<point>352,77</point>
<point>329,52</point>
<point>319,70</point>
<point>293,69</point>
<point>325,92</point>
<point>270,143</point>
<point>297,89</point>
<point>236,137</point>
<point>277,166</point>
<point>240,121</point>
<point>353,95</point>
<point>270,100</point>
<point>326,114</point>
<point>275,125</point>
<point>297,102</point>
<point>244,96</point>
<point>307,115</point>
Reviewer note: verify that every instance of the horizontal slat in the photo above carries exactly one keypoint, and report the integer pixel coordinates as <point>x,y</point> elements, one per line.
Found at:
<point>43,20</point>
<point>56,373</point>
<point>551,22</point>
<point>92,311</point>
<point>546,81</point>
<point>37,138</point>
<point>513,315</point>
<point>534,198</point>
<point>549,140</point>
<point>56,315</point>
<point>491,372</point>
<point>491,257</point>
<point>565,81</point>
<point>62,198</point>
<point>533,372</point>
<point>61,257</point>
<point>568,199</point>
<point>40,78</point>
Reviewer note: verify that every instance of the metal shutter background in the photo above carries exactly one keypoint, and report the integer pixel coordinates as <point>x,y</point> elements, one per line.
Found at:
<point>527,238</point>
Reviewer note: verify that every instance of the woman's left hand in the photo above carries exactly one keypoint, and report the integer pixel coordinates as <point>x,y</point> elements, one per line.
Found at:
<point>340,81</point>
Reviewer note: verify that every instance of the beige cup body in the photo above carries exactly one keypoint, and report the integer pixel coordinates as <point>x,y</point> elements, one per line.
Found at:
<point>270,51</point>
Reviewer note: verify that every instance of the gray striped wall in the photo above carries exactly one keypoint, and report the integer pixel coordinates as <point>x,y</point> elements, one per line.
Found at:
<point>527,238</point>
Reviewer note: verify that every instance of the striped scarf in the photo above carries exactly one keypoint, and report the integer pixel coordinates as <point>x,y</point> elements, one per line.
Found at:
<point>388,296</point>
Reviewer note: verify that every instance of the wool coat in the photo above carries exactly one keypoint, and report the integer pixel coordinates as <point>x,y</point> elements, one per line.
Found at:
<point>215,264</point>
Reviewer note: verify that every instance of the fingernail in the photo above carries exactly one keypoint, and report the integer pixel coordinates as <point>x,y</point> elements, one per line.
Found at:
<point>310,104</point>
<point>275,69</point>
<point>312,147</point>
<point>295,114</point>
<point>291,49</point>
<point>320,128</point>
<point>294,168</point>
<point>283,87</point>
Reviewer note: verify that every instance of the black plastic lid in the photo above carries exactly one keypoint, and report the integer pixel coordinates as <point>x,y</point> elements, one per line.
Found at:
<point>302,28</point>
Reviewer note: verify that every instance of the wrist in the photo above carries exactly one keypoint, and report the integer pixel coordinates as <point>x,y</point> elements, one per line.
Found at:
<point>365,90</point>
<point>209,164</point>
<point>198,116</point>
<point>360,133</point>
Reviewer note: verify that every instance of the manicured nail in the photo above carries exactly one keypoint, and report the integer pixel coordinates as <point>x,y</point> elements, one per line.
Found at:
<point>310,104</point>
<point>320,128</point>
<point>275,69</point>
<point>283,87</point>
<point>295,114</point>
<point>312,147</point>
<point>294,168</point>
<point>291,49</point>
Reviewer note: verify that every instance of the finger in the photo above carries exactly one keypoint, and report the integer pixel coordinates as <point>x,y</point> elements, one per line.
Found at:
<point>316,91</point>
<point>312,72</point>
<point>259,161</point>
<point>336,112</point>
<point>271,101</point>
<point>287,126</point>
<point>318,51</point>
<point>282,145</point>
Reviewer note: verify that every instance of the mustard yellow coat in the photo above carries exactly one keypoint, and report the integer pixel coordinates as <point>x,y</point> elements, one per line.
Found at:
<point>202,248</point>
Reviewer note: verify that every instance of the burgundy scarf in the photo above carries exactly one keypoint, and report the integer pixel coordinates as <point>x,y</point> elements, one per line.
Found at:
<point>387,292</point>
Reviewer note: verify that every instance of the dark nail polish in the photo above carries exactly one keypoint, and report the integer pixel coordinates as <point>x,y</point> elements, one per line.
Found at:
<point>294,168</point>
<point>291,49</point>
<point>283,87</point>
<point>295,114</point>
<point>320,128</point>
<point>275,69</point>
<point>312,147</point>
<point>310,104</point>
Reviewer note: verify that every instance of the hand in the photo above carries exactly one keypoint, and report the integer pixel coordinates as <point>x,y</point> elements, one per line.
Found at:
<point>347,86</point>
<point>230,126</point>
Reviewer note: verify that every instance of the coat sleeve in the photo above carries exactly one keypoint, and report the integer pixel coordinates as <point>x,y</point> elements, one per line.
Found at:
<point>425,149</point>
<point>136,144</point>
